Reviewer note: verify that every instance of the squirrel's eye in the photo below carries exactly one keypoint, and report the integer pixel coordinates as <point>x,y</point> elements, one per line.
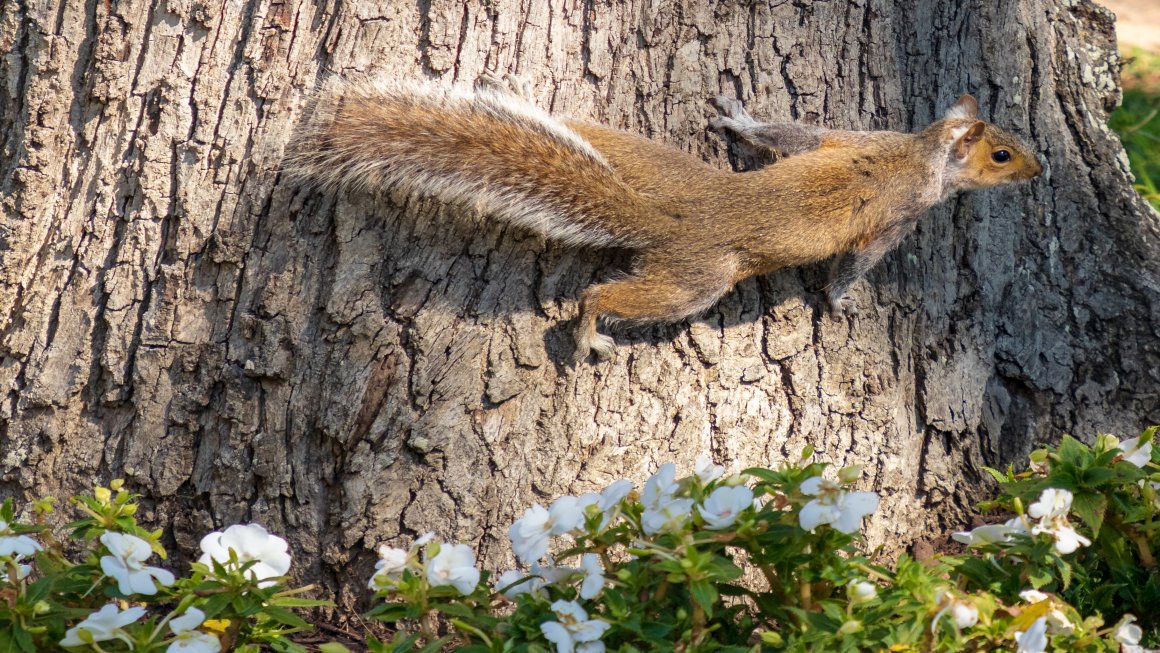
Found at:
<point>1001,156</point>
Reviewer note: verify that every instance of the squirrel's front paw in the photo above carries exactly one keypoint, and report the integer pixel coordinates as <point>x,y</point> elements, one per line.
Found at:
<point>731,108</point>
<point>842,306</point>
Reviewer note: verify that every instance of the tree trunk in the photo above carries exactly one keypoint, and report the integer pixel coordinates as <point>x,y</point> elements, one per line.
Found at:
<point>350,368</point>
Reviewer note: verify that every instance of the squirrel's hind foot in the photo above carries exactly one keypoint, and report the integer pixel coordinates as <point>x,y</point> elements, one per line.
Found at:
<point>596,343</point>
<point>510,84</point>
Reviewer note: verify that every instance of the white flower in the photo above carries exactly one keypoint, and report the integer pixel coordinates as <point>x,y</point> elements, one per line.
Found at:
<point>1067,539</point>
<point>565,515</point>
<point>722,506</point>
<point>509,583</point>
<point>1053,502</point>
<point>16,545</point>
<point>593,576</point>
<point>127,564</point>
<point>611,496</point>
<point>988,534</point>
<point>1128,634</point>
<point>660,487</point>
<point>530,533</point>
<point>1051,511</point>
<point>1019,526</point>
<point>552,574</point>
<point>1136,453</point>
<point>573,629</point>
<point>248,542</point>
<point>706,471</point>
<point>671,516</point>
<point>1032,596</point>
<point>454,565</point>
<point>1057,621</point>
<point>391,564</point>
<point>963,614</point>
<point>103,625</point>
<point>188,639</point>
<point>860,591</point>
<point>835,506</point>
<point>1035,639</point>
<point>192,618</point>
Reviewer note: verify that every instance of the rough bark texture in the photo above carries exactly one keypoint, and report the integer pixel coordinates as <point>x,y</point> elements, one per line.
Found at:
<point>348,369</point>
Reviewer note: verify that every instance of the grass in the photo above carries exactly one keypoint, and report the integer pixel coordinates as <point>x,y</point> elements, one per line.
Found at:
<point>1138,121</point>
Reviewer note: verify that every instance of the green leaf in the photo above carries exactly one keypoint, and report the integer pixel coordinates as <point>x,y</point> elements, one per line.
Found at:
<point>284,616</point>
<point>1095,476</point>
<point>436,645</point>
<point>705,595</point>
<point>723,569</point>
<point>333,647</point>
<point>454,609</point>
<point>997,475</point>
<point>281,645</point>
<point>1073,452</point>
<point>1091,507</point>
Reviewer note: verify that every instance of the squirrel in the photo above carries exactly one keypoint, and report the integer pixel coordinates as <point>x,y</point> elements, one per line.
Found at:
<point>697,230</point>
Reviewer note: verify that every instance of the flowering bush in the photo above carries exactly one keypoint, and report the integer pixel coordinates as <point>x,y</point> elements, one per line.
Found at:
<point>664,569</point>
<point>755,560</point>
<point>1110,490</point>
<point>109,598</point>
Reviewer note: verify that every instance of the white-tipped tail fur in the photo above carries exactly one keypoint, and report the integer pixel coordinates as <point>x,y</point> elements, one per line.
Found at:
<point>483,148</point>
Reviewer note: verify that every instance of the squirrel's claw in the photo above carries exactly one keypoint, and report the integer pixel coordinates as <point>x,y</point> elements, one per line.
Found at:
<point>843,306</point>
<point>596,343</point>
<point>731,108</point>
<point>510,83</point>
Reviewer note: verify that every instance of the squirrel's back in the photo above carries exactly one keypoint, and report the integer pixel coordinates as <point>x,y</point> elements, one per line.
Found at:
<point>484,148</point>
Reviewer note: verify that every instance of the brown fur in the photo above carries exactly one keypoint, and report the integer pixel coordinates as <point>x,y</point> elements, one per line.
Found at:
<point>698,230</point>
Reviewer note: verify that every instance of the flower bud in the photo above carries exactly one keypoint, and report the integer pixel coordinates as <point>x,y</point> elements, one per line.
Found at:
<point>850,627</point>
<point>102,494</point>
<point>771,638</point>
<point>860,591</point>
<point>41,607</point>
<point>851,474</point>
<point>1107,442</point>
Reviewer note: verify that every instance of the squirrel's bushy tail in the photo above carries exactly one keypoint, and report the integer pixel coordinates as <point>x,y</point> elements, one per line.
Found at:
<point>483,148</point>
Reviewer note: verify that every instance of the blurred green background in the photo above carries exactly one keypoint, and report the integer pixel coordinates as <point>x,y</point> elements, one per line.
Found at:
<point>1138,119</point>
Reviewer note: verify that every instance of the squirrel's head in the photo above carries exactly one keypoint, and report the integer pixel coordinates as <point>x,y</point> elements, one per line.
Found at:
<point>980,154</point>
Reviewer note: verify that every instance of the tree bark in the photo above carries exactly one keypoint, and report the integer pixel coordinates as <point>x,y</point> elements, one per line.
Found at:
<point>353,368</point>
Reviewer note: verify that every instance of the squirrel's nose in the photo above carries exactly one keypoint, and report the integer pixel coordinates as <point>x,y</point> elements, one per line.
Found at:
<point>1038,169</point>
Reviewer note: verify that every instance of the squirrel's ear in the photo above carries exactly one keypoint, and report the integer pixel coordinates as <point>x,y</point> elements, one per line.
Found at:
<point>967,137</point>
<point>965,107</point>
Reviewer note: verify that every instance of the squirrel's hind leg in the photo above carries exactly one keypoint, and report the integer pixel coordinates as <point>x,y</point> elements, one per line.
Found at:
<point>656,294</point>
<point>785,138</point>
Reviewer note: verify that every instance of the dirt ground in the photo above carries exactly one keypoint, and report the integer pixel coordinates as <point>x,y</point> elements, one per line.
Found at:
<point>1137,22</point>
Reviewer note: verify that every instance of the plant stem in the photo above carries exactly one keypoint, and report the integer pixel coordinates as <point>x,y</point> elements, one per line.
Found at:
<point>1146,557</point>
<point>805,590</point>
<point>698,622</point>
